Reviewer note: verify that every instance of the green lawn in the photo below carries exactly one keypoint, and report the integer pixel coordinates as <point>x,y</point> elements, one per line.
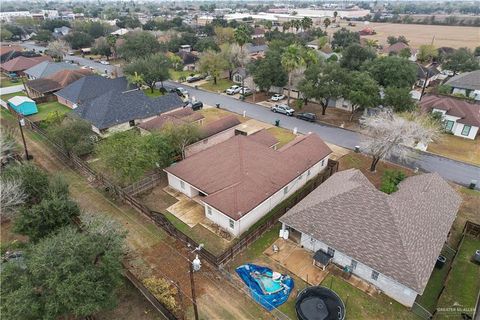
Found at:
<point>283,136</point>
<point>154,94</point>
<point>44,109</point>
<point>221,86</point>
<point>176,75</point>
<point>6,82</point>
<point>6,97</point>
<point>463,283</point>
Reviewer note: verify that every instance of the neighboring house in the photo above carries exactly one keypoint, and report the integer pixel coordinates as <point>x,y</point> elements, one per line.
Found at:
<point>47,68</point>
<point>178,117</point>
<point>61,32</point>
<point>391,241</point>
<point>23,105</point>
<point>240,180</point>
<point>258,33</point>
<point>467,84</point>
<point>19,64</point>
<point>460,117</point>
<point>57,81</point>
<point>188,58</point>
<point>428,73</point>
<point>120,32</point>
<point>9,52</point>
<point>214,133</point>
<point>185,48</point>
<point>256,51</point>
<point>397,48</point>
<point>88,88</point>
<point>239,75</point>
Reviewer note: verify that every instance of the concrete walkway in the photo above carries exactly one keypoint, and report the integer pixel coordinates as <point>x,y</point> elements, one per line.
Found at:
<point>11,89</point>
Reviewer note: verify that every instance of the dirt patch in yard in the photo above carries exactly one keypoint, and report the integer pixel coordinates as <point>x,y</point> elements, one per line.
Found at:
<point>213,114</point>
<point>333,116</point>
<point>156,198</point>
<point>457,148</point>
<point>258,97</point>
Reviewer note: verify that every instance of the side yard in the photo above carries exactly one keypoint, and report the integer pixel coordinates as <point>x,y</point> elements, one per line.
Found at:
<point>457,148</point>
<point>221,86</point>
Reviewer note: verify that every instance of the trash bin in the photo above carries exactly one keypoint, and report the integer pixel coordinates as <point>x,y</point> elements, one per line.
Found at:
<point>277,123</point>
<point>472,184</point>
<point>357,149</point>
<point>440,262</point>
<point>218,105</point>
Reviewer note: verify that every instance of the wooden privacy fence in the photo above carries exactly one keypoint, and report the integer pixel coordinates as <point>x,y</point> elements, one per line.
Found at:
<point>143,185</point>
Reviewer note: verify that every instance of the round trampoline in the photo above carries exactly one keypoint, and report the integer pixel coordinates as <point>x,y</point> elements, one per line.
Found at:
<point>319,303</point>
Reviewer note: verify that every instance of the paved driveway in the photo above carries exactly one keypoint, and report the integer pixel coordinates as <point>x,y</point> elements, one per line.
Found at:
<point>11,89</point>
<point>453,170</point>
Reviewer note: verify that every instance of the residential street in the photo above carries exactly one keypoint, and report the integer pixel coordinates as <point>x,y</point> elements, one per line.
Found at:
<point>453,170</point>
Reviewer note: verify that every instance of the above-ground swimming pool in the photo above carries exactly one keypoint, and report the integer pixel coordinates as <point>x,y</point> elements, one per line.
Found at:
<point>268,288</point>
<point>319,303</point>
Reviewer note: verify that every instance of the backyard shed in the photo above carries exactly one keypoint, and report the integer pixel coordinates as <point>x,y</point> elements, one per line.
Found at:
<point>23,105</point>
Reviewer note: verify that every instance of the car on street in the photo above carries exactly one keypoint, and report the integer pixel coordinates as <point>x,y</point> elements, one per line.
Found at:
<point>197,105</point>
<point>308,116</point>
<point>104,62</point>
<point>245,91</point>
<point>180,91</point>
<point>233,89</point>
<point>283,108</point>
<point>277,97</point>
<point>195,78</point>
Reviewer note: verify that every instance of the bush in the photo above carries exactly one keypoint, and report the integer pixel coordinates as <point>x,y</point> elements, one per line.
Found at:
<point>390,180</point>
<point>34,181</point>
<point>74,135</point>
<point>163,291</point>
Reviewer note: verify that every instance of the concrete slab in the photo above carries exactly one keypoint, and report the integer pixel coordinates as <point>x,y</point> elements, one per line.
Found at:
<point>251,126</point>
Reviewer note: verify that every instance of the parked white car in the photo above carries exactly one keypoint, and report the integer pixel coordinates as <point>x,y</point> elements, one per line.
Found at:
<point>245,90</point>
<point>283,108</point>
<point>277,97</point>
<point>233,89</point>
<point>104,62</point>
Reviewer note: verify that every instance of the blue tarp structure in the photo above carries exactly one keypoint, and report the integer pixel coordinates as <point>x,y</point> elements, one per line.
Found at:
<point>268,301</point>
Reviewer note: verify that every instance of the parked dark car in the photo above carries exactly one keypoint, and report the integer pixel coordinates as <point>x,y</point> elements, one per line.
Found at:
<point>194,78</point>
<point>308,116</point>
<point>197,105</point>
<point>180,91</point>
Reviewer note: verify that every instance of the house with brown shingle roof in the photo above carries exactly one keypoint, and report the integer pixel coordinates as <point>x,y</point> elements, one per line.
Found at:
<point>19,64</point>
<point>57,81</point>
<point>177,117</point>
<point>240,180</point>
<point>459,116</point>
<point>399,47</point>
<point>389,240</point>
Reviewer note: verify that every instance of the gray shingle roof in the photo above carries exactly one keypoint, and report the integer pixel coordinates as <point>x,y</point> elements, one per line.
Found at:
<point>47,68</point>
<point>467,80</point>
<point>116,107</point>
<point>399,235</point>
<point>90,87</point>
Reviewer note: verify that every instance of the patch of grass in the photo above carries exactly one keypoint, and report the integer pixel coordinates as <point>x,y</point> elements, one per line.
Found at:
<point>176,75</point>
<point>257,248</point>
<point>457,148</point>
<point>6,82</point>
<point>463,283</point>
<point>154,94</point>
<point>6,97</point>
<point>360,305</point>
<point>213,114</point>
<point>283,136</point>
<point>221,86</point>
<point>44,109</point>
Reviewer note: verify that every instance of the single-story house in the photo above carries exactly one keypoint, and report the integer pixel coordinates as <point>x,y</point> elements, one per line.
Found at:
<point>47,68</point>
<point>214,133</point>
<point>258,33</point>
<point>116,111</point>
<point>391,241</point>
<point>23,105</point>
<point>19,64</point>
<point>57,81</point>
<point>397,48</point>
<point>88,88</point>
<point>177,117</point>
<point>61,31</point>
<point>9,52</point>
<point>428,73</point>
<point>460,117</point>
<point>240,180</point>
<point>467,84</point>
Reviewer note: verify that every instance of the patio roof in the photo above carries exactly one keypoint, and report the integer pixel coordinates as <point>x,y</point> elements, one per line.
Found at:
<point>322,257</point>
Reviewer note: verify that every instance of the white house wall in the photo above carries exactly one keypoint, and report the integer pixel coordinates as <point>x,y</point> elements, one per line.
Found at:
<point>184,187</point>
<point>457,127</point>
<point>390,287</point>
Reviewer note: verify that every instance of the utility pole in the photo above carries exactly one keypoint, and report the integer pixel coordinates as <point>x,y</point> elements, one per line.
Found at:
<point>194,265</point>
<point>21,123</point>
<point>424,84</point>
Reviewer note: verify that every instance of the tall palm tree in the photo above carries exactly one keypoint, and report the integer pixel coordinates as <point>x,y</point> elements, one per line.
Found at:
<point>241,35</point>
<point>307,23</point>
<point>294,57</point>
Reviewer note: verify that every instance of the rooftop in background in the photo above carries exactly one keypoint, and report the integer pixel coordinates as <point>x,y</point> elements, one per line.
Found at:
<point>399,235</point>
<point>469,113</point>
<point>57,81</point>
<point>46,68</point>
<point>467,80</point>
<point>23,63</point>
<point>177,117</point>
<point>240,173</point>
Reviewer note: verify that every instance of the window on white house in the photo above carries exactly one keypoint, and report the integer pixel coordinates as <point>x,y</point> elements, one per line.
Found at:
<point>331,251</point>
<point>285,190</point>
<point>182,184</point>
<point>309,173</point>
<point>449,125</point>
<point>466,130</point>
<point>209,211</point>
<point>300,177</point>
<point>374,275</point>
<point>232,224</point>
<point>323,162</point>
<point>354,264</point>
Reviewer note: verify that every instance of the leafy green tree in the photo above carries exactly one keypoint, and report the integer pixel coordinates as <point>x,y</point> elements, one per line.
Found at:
<point>78,40</point>
<point>213,63</point>
<point>179,137</point>
<point>46,217</point>
<point>5,34</point>
<point>74,135</point>
<point>207,43</point>
<point>68,274</point>
<point>294,57</point>
<point>427,53</point>
<point>307,23</point>
<point>152,69</point>
<point>34,182</point>
<point>268,72</point>
<point>399,99</point>
<point>344,37</point>
<point>362,91</point>
<point>355,55</point>
<point>405,53</point>
<point>102,47</point>
<point>392,71</point>
<point>43,36</point>
<point>51,24</point>
<point>391,40</point>
<point>138,45</point>
<point>461,60</point>
<point>476,52</point>
<point>324,82</point>
<point>390,180</point>
<point>327,22</point>
<point>241,35</point>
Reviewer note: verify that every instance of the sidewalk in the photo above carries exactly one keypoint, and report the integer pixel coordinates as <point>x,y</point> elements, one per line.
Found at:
<point>11,89</point>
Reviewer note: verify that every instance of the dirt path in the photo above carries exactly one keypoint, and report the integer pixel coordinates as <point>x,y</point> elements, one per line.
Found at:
<point>151,249</point>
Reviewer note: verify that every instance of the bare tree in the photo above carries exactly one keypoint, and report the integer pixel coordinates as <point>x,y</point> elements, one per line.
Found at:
<point>11,197</point>
<point>8,147</point>
<point>389,134</point>
<point>57,49</point>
